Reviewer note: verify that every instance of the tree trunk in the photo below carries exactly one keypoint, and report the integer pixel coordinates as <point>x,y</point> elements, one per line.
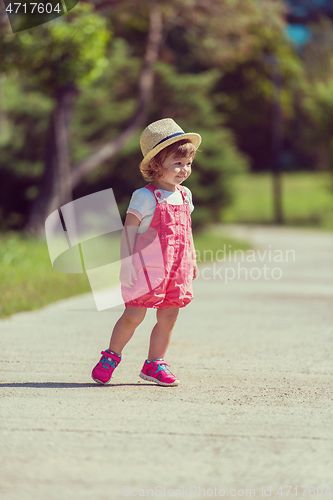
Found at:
<point>55,188</point>
<point>277,142</point>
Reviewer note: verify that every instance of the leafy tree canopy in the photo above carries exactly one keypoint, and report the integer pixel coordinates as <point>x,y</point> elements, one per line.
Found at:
<point>69,50</point>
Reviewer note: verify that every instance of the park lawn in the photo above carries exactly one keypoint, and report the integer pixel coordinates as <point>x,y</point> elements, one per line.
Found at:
<point>212,240</point>
<point>28,281</point>
<point>306,199</point>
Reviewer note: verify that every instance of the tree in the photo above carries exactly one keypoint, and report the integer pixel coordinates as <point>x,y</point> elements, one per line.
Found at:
<point>315,98</point>
<point>57,58</point>
<point>197,43</point>
<point>58,182</point>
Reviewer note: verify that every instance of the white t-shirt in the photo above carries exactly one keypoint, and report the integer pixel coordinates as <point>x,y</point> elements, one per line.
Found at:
<point>143,204</point>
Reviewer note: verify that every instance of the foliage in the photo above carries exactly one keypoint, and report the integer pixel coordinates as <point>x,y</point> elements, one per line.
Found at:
<point>318,103</point>
<point>236,39</point>
<point>70,50</point>
<point>67,51</point>
<point>214,167</point>
<point>213,77</point>
<point>315,100</point>
<point>24,123</point>
<point>105,104</point>
<point>246,91</point>
<point>220,33</point>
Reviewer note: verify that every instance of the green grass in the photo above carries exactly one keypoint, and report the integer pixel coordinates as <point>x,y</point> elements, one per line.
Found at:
<point>28,281</point>
<point>208,242</point>
<point>307,199</point>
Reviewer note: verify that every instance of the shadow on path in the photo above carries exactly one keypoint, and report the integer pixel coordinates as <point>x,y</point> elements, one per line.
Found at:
<point>65,385</point>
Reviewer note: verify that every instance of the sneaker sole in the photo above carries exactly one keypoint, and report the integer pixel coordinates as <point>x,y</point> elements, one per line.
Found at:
<point>100,382</point>
<point>152,379</point>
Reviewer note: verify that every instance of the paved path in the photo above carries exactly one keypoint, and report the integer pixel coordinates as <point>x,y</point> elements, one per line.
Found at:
<point>254,408</point>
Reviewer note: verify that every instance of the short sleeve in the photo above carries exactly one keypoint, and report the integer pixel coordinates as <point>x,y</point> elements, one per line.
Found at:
<point>140,202</point>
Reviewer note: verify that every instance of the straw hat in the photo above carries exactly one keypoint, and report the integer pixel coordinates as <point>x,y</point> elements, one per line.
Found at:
<point>158,135</point>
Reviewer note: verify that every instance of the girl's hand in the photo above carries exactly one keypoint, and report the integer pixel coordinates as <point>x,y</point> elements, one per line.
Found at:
<point>195,270</point>
<point>127,275</point>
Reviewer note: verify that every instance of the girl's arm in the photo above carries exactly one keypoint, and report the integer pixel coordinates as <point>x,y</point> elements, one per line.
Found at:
<point>127,270</point>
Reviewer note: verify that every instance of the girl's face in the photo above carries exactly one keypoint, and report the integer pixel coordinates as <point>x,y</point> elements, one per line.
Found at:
<point>176,170</point>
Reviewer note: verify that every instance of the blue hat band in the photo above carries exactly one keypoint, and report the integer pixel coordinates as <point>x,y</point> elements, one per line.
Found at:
<point>169,137</point>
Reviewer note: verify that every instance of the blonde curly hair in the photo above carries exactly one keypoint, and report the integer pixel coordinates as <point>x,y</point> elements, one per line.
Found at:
<point>154,170</point>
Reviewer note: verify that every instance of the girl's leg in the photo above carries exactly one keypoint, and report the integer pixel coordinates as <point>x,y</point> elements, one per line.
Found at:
<point>162,331</point>
<point>125,327</point>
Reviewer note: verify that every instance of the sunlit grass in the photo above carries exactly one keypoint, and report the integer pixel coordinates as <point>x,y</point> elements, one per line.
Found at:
<point>307,199</point>
<point>27,279</point>
<point>208,242</point>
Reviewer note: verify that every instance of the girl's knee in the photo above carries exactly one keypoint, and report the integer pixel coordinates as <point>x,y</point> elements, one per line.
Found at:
<point>168,315</point>
<point>134,315</point>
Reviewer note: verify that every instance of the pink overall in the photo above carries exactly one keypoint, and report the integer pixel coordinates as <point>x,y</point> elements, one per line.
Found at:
<point>173,285</point>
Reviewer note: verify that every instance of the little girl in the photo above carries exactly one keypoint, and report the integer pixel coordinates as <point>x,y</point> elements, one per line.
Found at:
<point>163,206</point>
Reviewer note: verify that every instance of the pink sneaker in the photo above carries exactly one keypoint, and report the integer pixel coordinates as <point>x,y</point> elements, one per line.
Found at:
<point>102,372</point>
<point>157,371</point>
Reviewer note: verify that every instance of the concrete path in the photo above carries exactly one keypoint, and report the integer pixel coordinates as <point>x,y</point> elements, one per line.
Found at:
<point>252,416</point>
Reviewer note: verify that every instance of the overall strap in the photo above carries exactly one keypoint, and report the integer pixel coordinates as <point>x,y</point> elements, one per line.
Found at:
<point>159,197</point>
<point>184,194</point>
<point>151,187</point>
